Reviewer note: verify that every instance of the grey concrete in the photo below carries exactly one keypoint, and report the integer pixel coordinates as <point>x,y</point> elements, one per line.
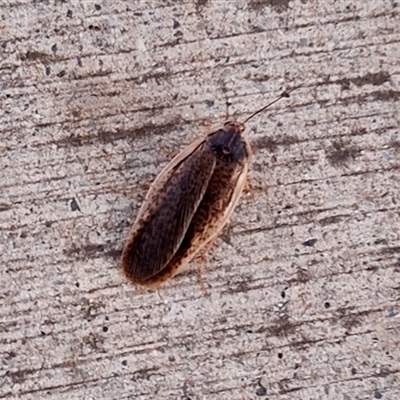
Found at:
<point>302,287</point>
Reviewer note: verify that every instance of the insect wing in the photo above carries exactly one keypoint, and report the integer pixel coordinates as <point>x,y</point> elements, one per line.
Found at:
<point>166,214</point>
<point>220,199</point>
<point>195,243</point>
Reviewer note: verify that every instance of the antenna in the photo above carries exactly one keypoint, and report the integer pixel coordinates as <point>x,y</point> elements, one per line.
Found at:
<point>284,94</point>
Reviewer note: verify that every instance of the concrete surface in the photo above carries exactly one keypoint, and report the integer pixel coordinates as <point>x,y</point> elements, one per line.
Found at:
<point>303,287</point>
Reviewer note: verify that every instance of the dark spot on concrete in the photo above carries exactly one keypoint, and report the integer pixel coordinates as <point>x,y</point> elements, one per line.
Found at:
<point>375,79</point>
<point>146,130</point>
<point>345,84</point>
<point>378,395</point>
<point>156,76</point>
<point>261,391</point>
<point>390,250</point>
<point>282,327</point>
<point>327,304</point>
<point>77,284</point>
<point>385,95</point>
<point>36,55</point>
<point>178,34</point>
<point>90,251</point>
<point>277,5</point>
<point>54,48</point>
<point>23,235</point>
<point>309,242</point>
<point>100,248</point>
<point>258,77</point>
<point>340,153</point>
<point>110,137</point>
<point>105,329</point>
<point>48,70</point>
<point>351,320</point>
<point>210,103</point>
<point>265,142</point>
<point>332,220</point>
<point>358,131</point>
<point>200,4</point>
<point>280,356</point>
<point>124,363</point>
<point>69,14</point>
<point>74,205</point>
<point>79,61</point>
<point>97,7</point>
<point>61,73</point>
<point>289,140</point>
<point>301,276</point>
<point>395,144</point>
<point>176,24</point>
<point>94,27</point>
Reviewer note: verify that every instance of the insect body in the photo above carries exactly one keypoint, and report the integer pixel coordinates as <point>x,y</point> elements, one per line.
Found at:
<point>188,205</point>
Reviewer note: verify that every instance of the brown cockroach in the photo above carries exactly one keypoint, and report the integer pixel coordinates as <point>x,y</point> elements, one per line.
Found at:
<point>188,204</point>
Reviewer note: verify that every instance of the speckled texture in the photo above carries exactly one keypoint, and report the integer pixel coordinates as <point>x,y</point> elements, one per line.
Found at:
<point>303,286</point>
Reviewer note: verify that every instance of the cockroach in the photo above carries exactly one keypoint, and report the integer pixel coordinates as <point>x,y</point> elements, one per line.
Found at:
<point>188,204</point>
